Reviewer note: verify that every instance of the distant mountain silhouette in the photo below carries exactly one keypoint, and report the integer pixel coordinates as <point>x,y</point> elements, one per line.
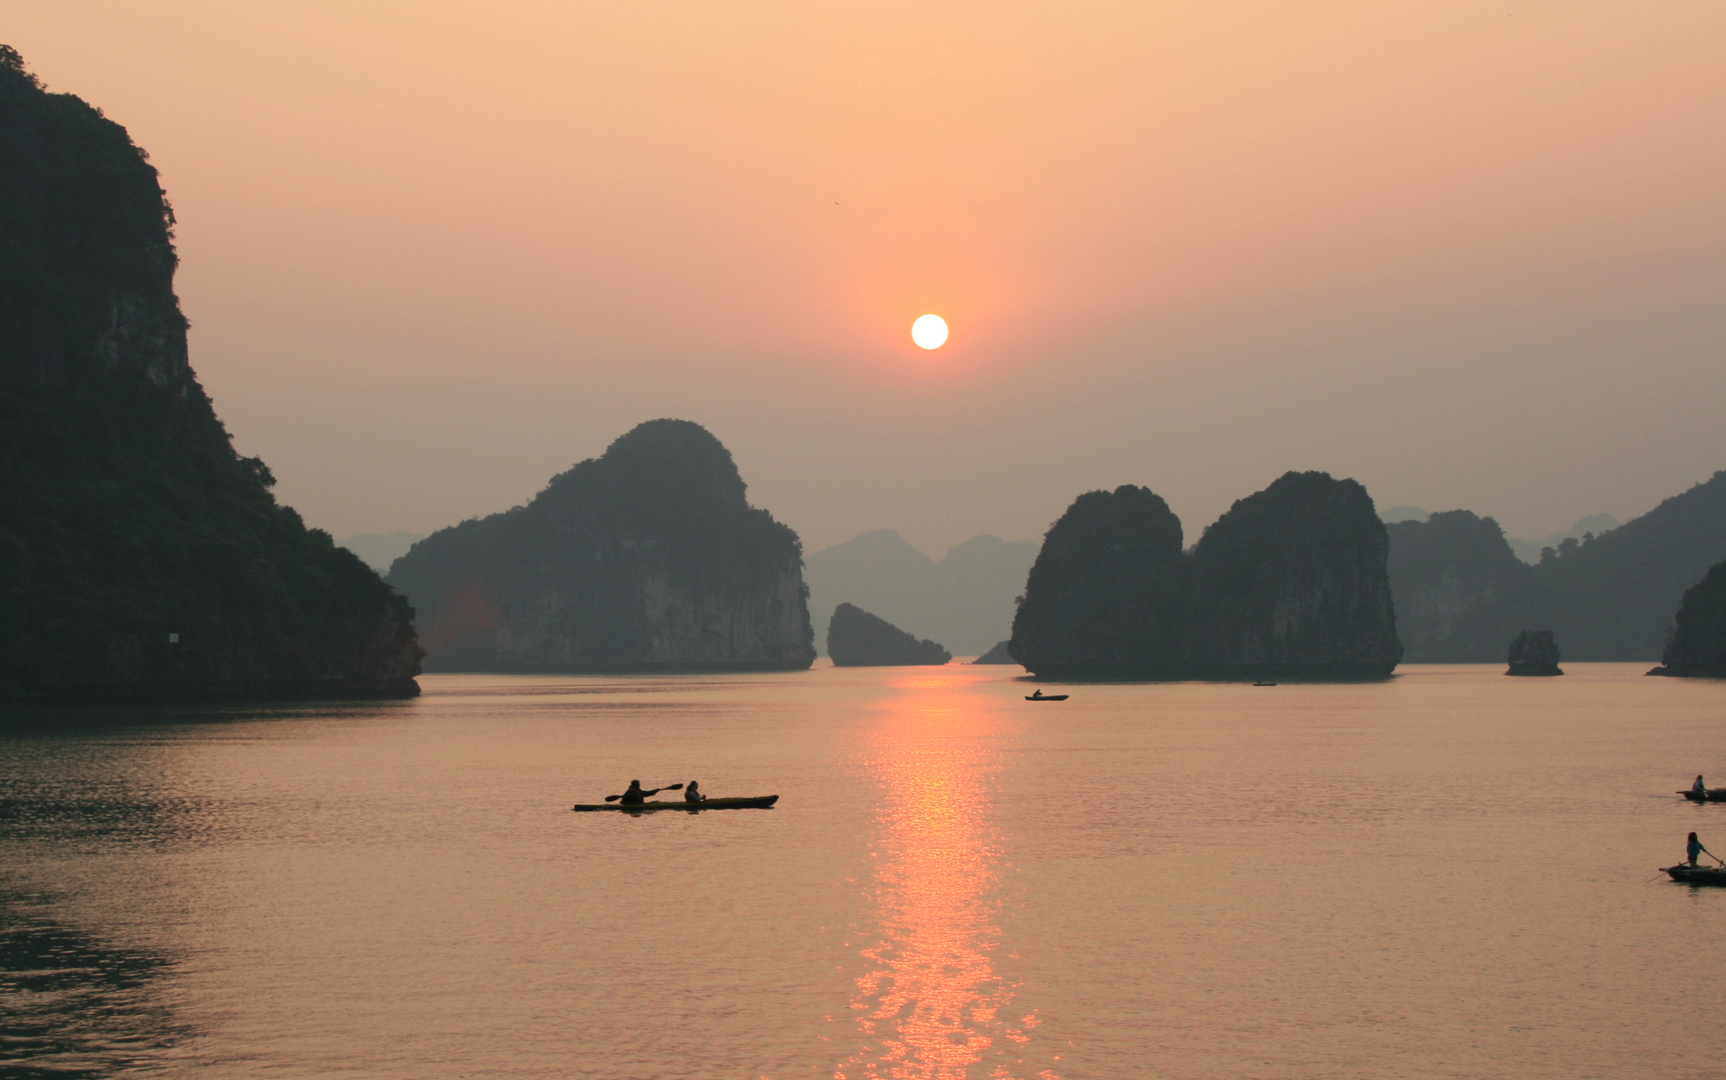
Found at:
<point>1395,514</point>
<point>1529,550</point>
<point>997,655</point>
<point>1614,597</point>
<point>1461,594</point>
<point>856,638</point>
<point>648,558</point>
<point>964,600</point>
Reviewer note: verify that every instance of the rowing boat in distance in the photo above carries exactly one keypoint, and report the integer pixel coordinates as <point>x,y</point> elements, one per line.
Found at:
<point>1713,794</point>
<point>759,802</point>
<point>1040,696</point>
<point>1697,875</point>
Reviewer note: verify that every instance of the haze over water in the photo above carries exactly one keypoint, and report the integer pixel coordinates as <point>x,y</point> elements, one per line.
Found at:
<point>1443,875</point>
<point>1469,254</point>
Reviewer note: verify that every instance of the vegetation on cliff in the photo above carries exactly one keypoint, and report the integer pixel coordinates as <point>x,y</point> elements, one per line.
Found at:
<point>1290,583</point>
<point>856,638</point>
<point>646,558</point>
<point>1697,645</point>
<point>140,556</point>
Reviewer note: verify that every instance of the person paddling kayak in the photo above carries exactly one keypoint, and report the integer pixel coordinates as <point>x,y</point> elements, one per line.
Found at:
<point>691,794</point>
<point>1038,694</point>
<point>1695,848</point>
<point>635,796</point>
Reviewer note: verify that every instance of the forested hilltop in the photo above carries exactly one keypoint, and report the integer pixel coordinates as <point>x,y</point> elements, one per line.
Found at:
<point>141,558</point>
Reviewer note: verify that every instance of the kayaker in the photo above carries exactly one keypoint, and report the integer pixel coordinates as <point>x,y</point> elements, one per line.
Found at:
<point>1695,848</point>
<point>1038,694</point>
<point>1699,787</point>
<point>691,793</point>
<point>635,796</point>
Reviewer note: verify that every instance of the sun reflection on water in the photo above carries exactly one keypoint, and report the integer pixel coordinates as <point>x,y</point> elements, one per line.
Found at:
<point>932,1004</point>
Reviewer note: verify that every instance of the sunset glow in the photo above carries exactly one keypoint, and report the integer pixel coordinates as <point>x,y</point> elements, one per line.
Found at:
<point>1332,224</point>
<point>931,1003</point>
<point>929,332</point>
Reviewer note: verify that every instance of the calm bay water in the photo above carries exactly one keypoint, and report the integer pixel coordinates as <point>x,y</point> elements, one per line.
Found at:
<point>1443,875</point>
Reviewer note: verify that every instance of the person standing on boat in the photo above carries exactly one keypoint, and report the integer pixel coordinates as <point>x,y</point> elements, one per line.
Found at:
<point>635,796</point>
<point>1699,787</point>
<point>691,793</point>
<point>1695,848</point>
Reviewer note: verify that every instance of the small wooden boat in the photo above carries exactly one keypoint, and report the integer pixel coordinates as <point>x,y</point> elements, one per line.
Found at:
<point>1045,697</point>
<point>1713,794</point>
<point>759,802</point>
<point>1697,875</point>
<point>1261,682</point>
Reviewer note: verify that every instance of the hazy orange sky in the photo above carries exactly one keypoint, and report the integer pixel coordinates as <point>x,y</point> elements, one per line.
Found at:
<point>433,253</point>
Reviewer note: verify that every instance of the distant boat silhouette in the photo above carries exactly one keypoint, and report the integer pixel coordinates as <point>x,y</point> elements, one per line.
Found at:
<point>1261,682</point>
<point>1713,794</point>
<point>1040,696</point>
<point>1696,875</point>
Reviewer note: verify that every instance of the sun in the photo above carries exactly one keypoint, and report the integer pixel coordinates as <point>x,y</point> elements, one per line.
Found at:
<point>930,331</point>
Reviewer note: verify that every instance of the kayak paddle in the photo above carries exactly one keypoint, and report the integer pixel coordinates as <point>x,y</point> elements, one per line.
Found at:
<point>655,791</point>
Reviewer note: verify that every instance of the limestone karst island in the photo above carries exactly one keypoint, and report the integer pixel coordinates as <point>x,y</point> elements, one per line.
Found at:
<point>647,558</point>
<point>141,558</point>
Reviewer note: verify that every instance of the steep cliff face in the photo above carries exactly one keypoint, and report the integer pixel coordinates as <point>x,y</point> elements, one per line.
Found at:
<point>1460,590</point>
<point>1697,645</point>
<point>140,557</point>
<point>856,638</point>
<point>1291,582</point>
<point>646,558</point>
<point>1109,591</point>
